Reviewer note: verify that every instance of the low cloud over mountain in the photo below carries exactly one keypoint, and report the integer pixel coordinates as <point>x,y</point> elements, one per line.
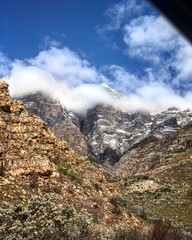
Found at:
<point>65,75</point>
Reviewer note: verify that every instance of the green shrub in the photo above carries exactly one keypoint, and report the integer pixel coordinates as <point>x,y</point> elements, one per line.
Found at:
<point>118,201</point>
<point>122,232</point>
<point>163,230</point>
<point>45,218</point>
<point>73,176</point>
<point>2,170</point>
<point>57,161</point>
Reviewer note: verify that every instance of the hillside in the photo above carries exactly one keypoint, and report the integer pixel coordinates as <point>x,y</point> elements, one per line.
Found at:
<point>104,133</point>
<point>46,187</point>
<point>33,161</point>
<point>157,175</point>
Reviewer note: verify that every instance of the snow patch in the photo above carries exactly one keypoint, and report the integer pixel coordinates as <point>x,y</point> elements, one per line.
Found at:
<point>121,131</point>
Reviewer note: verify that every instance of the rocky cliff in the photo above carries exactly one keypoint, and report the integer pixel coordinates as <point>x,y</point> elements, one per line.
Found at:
<point>153,177</point>
<point>153,153</point>
<point>105,133</point>
<point>34,161</point>
<point>156,177</point>
<point>65,124</point>
<point>25,141</point>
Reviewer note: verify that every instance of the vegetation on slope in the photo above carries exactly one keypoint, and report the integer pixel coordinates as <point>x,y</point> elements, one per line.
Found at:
<point>49,192</point>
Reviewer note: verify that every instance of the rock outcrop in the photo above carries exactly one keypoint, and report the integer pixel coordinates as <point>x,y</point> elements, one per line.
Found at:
<point>33,161</point>
<point>65,124</point>
<point>110,132</point>
<point>105,133</point>
<point>26,143</point>
<point>154,171</point>
<point>153,153</point>
<point>5,99</point>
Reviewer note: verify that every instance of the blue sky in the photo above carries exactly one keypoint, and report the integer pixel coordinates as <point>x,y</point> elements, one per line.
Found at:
<point>27,25</point>
<point>70,47</point>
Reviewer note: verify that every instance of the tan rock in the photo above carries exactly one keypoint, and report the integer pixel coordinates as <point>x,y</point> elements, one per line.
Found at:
<point>17,106</point>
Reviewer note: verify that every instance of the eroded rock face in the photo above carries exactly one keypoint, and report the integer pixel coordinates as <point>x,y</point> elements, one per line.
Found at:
<point>110,132</point>
<point>26,144</point>
<point>71,133</point>
<point>5,99</point>
<point>154,153</point>
<point>65,124</point>
<point>34,161</point>
<point>105,133</point>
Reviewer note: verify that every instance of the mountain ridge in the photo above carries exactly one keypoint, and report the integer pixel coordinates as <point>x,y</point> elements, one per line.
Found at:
<point>152,180</point>
<point>33,161</point>
<point>105,133</point>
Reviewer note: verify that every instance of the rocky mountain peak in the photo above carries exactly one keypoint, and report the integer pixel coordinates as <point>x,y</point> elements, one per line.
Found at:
<point>5,99</point>
<point>111,91</point>
<point>105,133</point>
<point>65,123</point>
<point>26,144</point>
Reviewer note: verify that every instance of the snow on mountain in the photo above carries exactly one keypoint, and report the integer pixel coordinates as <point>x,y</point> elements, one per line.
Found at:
<point>105,133</point>
<point>111,91</point>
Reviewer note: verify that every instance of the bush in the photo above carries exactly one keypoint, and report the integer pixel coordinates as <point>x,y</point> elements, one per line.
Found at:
<point>189,194</point>
<point>118,201</point>
<point>33,177</point>
<point>164,230</point>
<point>122,232</point>
<point>2,170</point>
<point>158,230</point>
<point>71,175</point>
<point>46,218</point>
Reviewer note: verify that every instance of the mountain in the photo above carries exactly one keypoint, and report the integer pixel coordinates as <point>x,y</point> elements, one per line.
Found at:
<point>105,133</point>
<point>33,161</point>
<point>110,132</point>
<point>155,153</point>
<point>156,177</point>
<point>65,124</point>
<point>111,91</point>
<point>135,145</point>
<point>48,191</point>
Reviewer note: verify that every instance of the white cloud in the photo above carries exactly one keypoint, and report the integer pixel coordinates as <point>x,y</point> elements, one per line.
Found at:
<point>52,70</point>
<point>121,79</point>
<point>5,64</point>
<point>148,37</point>
<point>151,39</point>
<point>118,13</point>
<point>48,42</point>
<point>154,97</point>
<point>182,63</point>
<point>66,65</point>
<point>84,96</point>
<point>25,79</point>
<point>62,74</point>
<point>148,93</point>
<point>154,40</point>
